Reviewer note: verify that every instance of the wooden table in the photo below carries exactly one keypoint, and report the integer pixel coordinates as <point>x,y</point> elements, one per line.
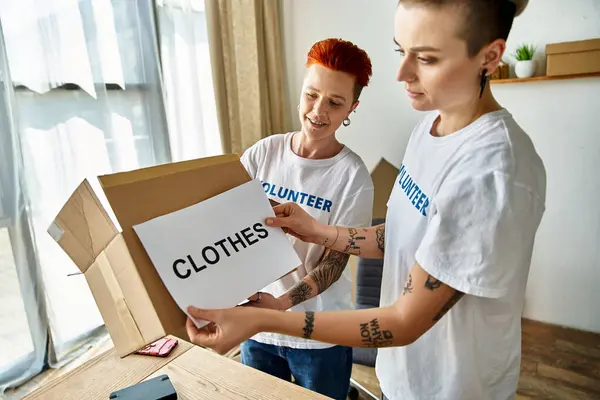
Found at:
<point>196,373</point>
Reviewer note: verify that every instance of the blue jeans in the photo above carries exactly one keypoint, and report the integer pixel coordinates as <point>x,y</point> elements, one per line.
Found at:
<point>325,371</point>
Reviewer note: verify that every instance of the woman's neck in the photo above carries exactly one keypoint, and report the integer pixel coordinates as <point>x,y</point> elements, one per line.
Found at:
<point>453,120</point>
<point>315,149</point>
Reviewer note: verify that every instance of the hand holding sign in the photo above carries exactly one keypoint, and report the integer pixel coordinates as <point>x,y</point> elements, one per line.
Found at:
<point>217,253</point>
<point>267,300</point>
<point>231,327</point>
<point>297,222</point>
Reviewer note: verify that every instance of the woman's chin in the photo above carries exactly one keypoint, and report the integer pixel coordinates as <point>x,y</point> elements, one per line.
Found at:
<point>317,133</point>
<point>421,105</point>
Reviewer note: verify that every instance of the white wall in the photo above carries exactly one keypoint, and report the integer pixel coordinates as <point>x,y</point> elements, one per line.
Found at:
<point>562,117</point>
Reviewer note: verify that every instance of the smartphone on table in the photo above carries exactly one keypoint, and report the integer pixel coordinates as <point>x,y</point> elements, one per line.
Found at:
<point>160,348</point>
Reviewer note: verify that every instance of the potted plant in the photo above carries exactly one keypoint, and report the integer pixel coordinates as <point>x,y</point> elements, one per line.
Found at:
<point>526,65</point>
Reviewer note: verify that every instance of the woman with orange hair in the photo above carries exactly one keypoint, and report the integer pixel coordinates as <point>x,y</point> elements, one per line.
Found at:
<point>331,183</point>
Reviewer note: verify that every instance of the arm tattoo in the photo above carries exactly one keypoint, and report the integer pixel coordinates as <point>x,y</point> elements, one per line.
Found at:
<point>408,287</point>
<point>431,283</point>
<point>380,235</point>
<point>309,321</point>
<point>373,336</point>
<point>453,300</point>
<point>352,247</point>
<point>329,270</point>
<point>300,293</point>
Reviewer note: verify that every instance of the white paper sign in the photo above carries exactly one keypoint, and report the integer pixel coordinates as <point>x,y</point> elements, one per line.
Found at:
<point>217,253</point>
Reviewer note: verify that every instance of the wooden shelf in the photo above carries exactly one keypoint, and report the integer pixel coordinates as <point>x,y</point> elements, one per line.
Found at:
<point>543,78</point>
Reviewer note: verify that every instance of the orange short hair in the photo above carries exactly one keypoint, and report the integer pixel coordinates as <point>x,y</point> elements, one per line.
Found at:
<point>342,55</point>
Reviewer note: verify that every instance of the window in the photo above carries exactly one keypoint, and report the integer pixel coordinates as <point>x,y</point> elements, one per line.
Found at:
<point>86,99</point>
<point>15,335</point>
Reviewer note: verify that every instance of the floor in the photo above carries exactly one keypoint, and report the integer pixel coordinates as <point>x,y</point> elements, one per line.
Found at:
<point>557,363</point>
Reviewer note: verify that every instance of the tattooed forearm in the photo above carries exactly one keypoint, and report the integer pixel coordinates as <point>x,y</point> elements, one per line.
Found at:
<point>362,242</point>
<point>329,270</point>
<point>380,235</point>
<point>408,288</point>
<point>300,293</point>
<point>309,320</point>
<point>353,238</point>
<point>453,300</point>
<point>373,336</point>
<point>431,283</point>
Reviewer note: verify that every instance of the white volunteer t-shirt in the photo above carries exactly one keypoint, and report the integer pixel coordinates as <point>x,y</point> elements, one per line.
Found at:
<point>335,191</point>
<point>466,207</point>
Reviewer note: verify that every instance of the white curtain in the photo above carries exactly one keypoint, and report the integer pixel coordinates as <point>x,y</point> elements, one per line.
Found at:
<point>87,101</point>
<point>53,32</point>
<point>23,323</point>
<point>188,82</point>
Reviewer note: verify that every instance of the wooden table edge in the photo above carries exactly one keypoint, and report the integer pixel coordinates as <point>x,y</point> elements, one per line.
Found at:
<point>94,360</point>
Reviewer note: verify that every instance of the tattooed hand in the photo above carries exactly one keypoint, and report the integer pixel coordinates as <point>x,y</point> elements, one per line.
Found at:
<point>230,328</point>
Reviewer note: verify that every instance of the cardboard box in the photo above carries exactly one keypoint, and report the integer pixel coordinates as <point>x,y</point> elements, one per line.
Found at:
<point>384,177</point>
<point>133,301</point>
<point>572,58</point>
<point>502,72</point>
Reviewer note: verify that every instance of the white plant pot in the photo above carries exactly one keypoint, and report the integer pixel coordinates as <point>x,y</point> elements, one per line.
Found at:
<point>525,69</point>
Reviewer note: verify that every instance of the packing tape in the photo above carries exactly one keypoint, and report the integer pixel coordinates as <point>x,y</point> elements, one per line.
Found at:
<point>55,231</point>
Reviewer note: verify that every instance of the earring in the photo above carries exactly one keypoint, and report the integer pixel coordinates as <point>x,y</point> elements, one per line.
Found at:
<point>346,122</point>
<point>483,81</point>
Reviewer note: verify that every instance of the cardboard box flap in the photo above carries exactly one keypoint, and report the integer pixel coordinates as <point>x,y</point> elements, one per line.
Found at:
<point>132,288</point>
<point>140,195</point>
<point>573,47</point>
<point>113,307</point>
<point>124,178</point>
<point>83,228</point>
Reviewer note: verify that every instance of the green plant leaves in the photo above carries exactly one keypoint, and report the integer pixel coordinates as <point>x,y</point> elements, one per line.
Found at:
<point>524,52</point>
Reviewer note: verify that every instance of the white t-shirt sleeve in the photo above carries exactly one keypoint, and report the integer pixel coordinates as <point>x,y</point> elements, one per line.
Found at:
<point>479,232</point>
<point>355,211</point>
<point>250,159</point>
